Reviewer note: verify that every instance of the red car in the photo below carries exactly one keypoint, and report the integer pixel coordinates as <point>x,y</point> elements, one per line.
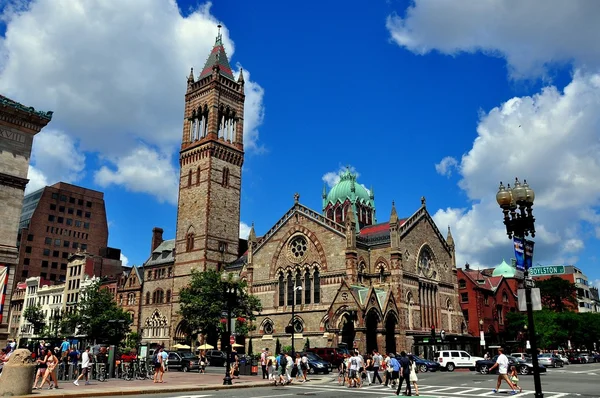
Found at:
<point>334,356</point>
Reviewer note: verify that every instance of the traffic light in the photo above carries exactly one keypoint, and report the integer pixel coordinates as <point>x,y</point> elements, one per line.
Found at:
<point>433,331</point>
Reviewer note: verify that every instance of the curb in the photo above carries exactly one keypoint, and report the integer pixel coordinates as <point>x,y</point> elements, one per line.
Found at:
<point>143,392</point>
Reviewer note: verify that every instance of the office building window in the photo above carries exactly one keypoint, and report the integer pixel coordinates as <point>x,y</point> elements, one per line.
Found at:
<point>65,255</point>
<point>66,243</point>
<point>30,237</point>
<point>54,265</point>
<point>80,202</point>
<point>44,264</point>
<point>63,198</point>
<point>61,209</point>
<point>44,275</point>
<point>88,204</point>
<point>464,297</point>
<point>69,221</point>
<point>83,246</point>
<point>79,213</point>
<point>60,220</point>
<point>27,249</point>
<point>55,253</point>
<point>63,266</point>
<point>50,217</point>
<point>88,214</point>
<point>24,274</point>
<point>75,245</point>
<point>46,252</point>
<point>56,242</point>
<point>52,206</point>
<point>70,210</point>
<point>71,199</point>
<point>86,225</point>
<point>54,195</point>
<point>26,261</point>
<point>48,240</point>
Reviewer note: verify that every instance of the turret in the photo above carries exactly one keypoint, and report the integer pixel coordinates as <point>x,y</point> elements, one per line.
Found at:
<point>240,79</point>
<point>350,229</point>
<point>190,79</point>
<point>449,238</point>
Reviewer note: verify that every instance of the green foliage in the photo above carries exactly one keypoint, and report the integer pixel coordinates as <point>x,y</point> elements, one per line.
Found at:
<point>557,293</point>
<point>133,340</point>
<point>277,347</point>
<point>34,315</point>
<point>203,302</point>
<point>286,349</point>
<point>98,316</point>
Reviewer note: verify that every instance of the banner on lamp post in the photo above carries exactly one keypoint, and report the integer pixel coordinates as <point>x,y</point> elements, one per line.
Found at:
<point>519,253</point>
<point>528,255</point>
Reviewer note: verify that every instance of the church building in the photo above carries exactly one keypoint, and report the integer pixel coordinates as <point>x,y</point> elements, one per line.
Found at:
<point>351,279</point>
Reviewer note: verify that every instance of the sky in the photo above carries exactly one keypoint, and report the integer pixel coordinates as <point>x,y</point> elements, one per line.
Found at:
<point>441,99</point>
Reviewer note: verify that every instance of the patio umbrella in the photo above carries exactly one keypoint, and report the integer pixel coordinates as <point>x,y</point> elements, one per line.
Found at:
<point>181,347</point>
<point>205,347</point>
<point>236,345</point>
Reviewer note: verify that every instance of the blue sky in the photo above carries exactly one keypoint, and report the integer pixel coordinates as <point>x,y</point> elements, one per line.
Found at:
<point>441,100</point>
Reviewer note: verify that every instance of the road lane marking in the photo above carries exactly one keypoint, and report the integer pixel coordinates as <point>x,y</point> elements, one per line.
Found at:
<point>561,394</point>
<point>272,396</point>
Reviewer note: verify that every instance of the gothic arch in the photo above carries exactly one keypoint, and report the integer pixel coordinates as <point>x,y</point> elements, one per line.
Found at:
<point>425,248</point>
<point>265,325</point>
<point>311,236</point>
<point>182,332</point>
<point>324,324</point>
<point>449,305</point>
<point>381,262</point>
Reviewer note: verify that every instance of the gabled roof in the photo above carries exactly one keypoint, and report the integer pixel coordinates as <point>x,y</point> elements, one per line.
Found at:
<point>490,283</point>
<point>217,57</point>
<point>7,102</point>
<point>379,229</point>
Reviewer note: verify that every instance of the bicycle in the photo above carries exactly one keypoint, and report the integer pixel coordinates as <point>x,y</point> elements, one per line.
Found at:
<point>101,372</point>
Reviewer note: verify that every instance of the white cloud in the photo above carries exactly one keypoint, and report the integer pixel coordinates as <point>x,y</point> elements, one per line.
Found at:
<point>531,35</point>
<point>56,157</point>
<point>124,260</point>
<point>596,283</point>
<point>551,139</point>
<point>114,72</point>
<point>244,230</point>
<point>333,177</point>
<point>446,165</point>
<point>144,170</point>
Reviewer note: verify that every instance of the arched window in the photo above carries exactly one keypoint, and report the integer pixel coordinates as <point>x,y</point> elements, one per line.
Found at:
<point>120,299</point>
<point>307,289</point>
<point>268,327</point>
<point>189,242</point>
<point>147,297</point>
<point>317,286</point>
<point>504,297</point>
<point>168,296</point>
<point>198,176</point>
<point>189,178</point>
<point>131,299</point>
<point>281,290</point>
<point>290,289</point>
<point>361,272</point>
<point>225,181</point>
<point>298,283</point>
<point>381,273</point>
<point>158,296</point>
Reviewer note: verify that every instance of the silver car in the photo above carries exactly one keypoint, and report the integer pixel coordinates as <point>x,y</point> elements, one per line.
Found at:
<point>550,360</point>
<point>564,359</point>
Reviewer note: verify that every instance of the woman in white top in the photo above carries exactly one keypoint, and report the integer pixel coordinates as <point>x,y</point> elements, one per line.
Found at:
<point>304,367</point>
<point>298,363</point>
<point>413,376</point>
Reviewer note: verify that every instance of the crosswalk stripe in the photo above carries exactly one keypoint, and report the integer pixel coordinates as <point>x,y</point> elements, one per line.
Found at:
<point>562,394</point>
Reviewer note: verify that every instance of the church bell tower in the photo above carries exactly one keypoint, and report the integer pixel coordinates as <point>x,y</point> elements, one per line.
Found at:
<point>211,158</point>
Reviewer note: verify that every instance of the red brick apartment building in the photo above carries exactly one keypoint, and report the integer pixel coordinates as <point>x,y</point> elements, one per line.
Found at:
<point>486,299</point>
<point>56,221</point>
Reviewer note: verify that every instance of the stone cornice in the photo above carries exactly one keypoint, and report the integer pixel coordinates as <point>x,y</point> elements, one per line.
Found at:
<point>12,181</point>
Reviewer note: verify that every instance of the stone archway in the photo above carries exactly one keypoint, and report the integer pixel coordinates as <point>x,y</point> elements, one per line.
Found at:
<point>182,333</point>
<point>348,332</point>
<point>372,324</point>
<point>390,332</point>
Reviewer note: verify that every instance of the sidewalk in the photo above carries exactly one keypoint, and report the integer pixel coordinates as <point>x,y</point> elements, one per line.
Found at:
<point>174,381</point>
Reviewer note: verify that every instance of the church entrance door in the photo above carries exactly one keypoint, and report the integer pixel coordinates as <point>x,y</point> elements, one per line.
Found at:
<point>348,332</point>
<point>372,326</point>
<point>390,332</point>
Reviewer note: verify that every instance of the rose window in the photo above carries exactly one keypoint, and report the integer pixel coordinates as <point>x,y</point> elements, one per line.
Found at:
<point>297,249</point>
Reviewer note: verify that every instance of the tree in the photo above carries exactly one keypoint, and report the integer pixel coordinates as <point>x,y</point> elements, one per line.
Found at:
<point>34,315</point>
<point>133,340</point>
<point>98,316</point>
<point>557,294</point>
<point>202,305</point>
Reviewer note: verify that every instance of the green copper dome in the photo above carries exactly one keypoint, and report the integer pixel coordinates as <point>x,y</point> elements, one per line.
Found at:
<point>505,270</point>
<point>348,188</point>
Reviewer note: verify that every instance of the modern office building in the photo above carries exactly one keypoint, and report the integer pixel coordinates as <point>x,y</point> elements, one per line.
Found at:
<point>55,222</point>
<point>584,296</point>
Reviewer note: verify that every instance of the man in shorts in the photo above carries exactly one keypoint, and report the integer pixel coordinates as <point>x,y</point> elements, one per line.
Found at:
<point>502,365</point>
<point>85,366</point>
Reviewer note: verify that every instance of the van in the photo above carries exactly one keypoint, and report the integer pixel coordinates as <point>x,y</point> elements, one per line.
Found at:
<point>334,356</point>
<point>451,359</point>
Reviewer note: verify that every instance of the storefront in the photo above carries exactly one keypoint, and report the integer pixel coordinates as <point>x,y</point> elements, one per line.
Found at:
<point>425,346</point>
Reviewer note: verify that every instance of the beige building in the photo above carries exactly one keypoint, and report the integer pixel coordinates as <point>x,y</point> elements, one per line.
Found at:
<point>18,125</point>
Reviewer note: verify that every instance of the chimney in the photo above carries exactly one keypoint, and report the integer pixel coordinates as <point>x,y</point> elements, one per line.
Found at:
<point>157,238</point>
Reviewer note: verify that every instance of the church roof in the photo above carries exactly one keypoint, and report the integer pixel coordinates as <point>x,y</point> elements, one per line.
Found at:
<point>348,189</point>
<point>217,57</point>
<point>505,270</point>
<point>362,292</point>
<point>163,254</point>
<point>7,102</point>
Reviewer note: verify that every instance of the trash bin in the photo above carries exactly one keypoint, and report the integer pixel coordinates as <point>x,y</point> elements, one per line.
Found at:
<point>17,374</point>
<point>254,369</point>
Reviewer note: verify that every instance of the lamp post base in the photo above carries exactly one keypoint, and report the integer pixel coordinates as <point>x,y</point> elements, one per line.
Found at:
<point>227,381</point>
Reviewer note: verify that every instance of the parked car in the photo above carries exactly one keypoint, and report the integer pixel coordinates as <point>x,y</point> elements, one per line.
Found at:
<point>521,355</point>
<point>451,359</point>
<point>564,358</point>
<point>316,364</point>
<point>483,366</point>
<point>424,365</point>
<point>588,357</point>
<point>550,360</point>
<point>333,355</point>
<point>216,358</point>
<point>183,360</point>
<point>596,357</point>
<point>575,358</point>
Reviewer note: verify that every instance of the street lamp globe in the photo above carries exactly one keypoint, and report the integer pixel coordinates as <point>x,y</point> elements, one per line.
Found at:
<point>503,197</point>
<point>225,277</point>
<point>519,192</point>
<point>530,193</point>
<point>235,278</point>
<point>481,322</point>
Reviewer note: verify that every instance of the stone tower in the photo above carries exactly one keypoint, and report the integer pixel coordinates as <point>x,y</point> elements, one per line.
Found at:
<point>211,158</point>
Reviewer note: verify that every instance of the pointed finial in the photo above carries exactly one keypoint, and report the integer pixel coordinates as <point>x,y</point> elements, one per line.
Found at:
<point>241,76</point>
<point>296,198</point>
<point>423,201</point>
<point>324,191</point>
<point>394,215</point>
<point>449,237</point>
<point>372,193</point>
<point>252,236</point>
<point>191,76</point>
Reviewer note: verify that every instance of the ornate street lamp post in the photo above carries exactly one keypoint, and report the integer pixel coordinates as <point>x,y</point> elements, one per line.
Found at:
<point>230,288</point>
<point>516,204</point>
<point>293,326</point>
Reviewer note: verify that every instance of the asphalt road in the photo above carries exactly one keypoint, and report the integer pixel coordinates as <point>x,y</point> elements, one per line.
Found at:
<point>571,381</point>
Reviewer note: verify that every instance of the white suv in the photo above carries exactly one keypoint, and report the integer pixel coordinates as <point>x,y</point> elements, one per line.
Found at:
<point>451,359</point>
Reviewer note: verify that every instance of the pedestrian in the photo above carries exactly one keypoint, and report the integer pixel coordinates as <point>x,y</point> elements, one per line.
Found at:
<point>74,360</point>
<point>502,365</point>
<point>86,357</point>
<point>514,377</point>
<point>41,371</point>
<point>297,370</point>
<point>395,365</point>
<point>304,367</point>
<point>404,374</point>
<point>51,362</point>
<point>164,363</point>
<point>202,362</point>
<point>288,368</point>
<point>263,363</point>
<point>377,360</point>
<point>157,361</point>
<point>281,367</point>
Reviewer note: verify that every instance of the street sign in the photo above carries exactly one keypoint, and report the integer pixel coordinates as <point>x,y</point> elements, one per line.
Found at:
<point>536,299</point>
<point>232,340</point>
<point>547,270</point>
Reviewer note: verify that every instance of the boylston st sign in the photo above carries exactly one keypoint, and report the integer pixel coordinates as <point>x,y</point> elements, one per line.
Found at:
<point>547,270</point>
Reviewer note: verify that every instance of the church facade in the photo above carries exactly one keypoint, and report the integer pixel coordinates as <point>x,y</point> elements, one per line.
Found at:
<point>351,280</point>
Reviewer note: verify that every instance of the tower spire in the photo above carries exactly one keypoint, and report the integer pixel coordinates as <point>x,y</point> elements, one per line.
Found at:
<point>394,215</point>
<point>217,59</point>
<point>449,237</point>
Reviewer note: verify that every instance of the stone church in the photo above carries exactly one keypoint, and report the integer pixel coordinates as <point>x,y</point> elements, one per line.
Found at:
<point>366,284</point>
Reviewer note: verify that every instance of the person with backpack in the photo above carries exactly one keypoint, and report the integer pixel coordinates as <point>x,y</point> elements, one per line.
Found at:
<point>282,365</point>
<point>405,374</point>
<point>157,362</point>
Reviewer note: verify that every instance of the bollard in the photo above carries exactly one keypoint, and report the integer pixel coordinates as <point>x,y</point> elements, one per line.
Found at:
<point>17,374</point>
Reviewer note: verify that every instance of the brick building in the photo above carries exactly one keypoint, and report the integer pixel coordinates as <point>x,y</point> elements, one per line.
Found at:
<point>56,221</point>
<point>18,125</point>
<point>129,293</point>
<point>17,303</point>
<point>365,283</point>
<point>486,297</point>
